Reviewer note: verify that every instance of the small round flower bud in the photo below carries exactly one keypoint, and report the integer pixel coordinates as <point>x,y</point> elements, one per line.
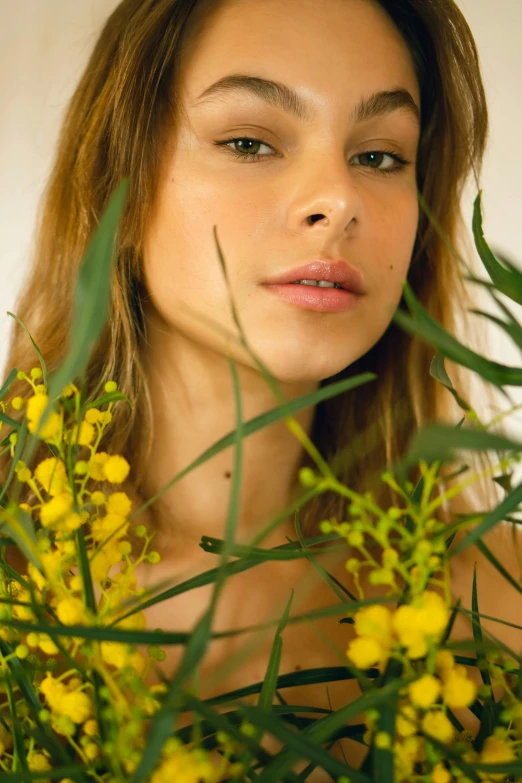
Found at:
<point>383,740</point>
<point>36,373</point>
<point>17,403</point>
<point>353,565</point>
<point>307,477</point>
<point>111,386</point>
<point>325,527</point>
<point>21,375</point>
<point>22,651</point>
<point>154,557</point>
<point>141,531</point>
<point>81,468</point>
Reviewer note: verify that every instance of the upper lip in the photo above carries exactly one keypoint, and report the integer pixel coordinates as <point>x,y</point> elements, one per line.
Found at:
<point>337,271</point>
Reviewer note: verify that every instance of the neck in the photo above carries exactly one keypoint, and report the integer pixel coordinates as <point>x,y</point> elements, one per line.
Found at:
<point>193,404</point>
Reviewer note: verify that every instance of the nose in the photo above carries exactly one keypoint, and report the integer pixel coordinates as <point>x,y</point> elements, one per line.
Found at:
<point>329,201</point>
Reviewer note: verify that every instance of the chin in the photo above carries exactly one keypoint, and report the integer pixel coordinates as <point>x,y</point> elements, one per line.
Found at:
<point>304,367</point>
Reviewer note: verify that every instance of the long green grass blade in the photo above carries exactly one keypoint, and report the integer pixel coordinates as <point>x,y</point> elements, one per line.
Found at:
<point>163,721</point>
<point>20,757</point>
<point>440,442</point>
<point>102,633</point>
<point>5,419</point>
<point>220,721</point>
<point>8,383</point>
<point>291,680</point>
<point>486,551</point>
<point>513,331</point>
<point>488,717</point>
<point>323,730</point>
<point>18,525</point>
<point>498,514</point>
<point>272,671</point>
<point>74,771</point>
<point>506,278</point>
<point>426,328</point>
<point>438,371</point>
<point>233,506</point>
<point>300,746</point>
<point>215,546</point>
<point>20,443</point>
<point>44,734</point>
<point>36,349</point>
<point>92,298</point>
<point>264,420</point>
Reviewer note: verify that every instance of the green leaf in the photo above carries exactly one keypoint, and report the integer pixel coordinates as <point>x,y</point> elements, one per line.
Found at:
<point>383,761</point>
<point>9,382</point>
<point>102,633</point>
<point>283,552</point>
<point>426,328</point>
<point>438,371</point>
<point>85,570</point>
<point>36,349</point>
<point>498,514</point>
<point>9,421</point>
<point>299,746</point>
<point>498,565</point>
<point>162,722</point>
<point>92,298</point>
<point>506,278</point>
<point>260,422</point>
<point>20,443</point>
<point>269,687</point>
<point>44,734</point>
<point>74,771</point>
<point>17,523</point>
<point>488,716</point>
<point>272,671</point>
<point>20,758</point>
<point>513,331</point>
<point>106,399</point>
<point>233,506</point>
<point>220,721</point>
<point>322,730</point>
<point>439,442</point>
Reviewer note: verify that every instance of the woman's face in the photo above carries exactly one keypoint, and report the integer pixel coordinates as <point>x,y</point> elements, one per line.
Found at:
<point>319,183</point>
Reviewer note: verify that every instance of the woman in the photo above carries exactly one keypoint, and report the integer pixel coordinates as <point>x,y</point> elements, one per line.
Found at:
<point>344,109</point>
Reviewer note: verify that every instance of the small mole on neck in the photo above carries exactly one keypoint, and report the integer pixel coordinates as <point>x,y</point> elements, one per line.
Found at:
<point>228,474</point>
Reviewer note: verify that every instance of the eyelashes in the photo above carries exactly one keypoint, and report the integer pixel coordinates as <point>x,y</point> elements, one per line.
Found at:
<point>247,157</point>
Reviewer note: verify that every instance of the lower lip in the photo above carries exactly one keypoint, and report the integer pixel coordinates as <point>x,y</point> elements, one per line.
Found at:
<point>311,297</point>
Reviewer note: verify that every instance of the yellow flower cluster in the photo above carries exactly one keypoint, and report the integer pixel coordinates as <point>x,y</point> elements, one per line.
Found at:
<point>412,627</point>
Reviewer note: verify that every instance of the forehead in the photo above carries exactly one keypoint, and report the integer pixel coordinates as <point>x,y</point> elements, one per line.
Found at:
<point>331,50</point>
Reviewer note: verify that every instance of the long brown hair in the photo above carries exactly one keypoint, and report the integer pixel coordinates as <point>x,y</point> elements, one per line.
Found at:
<point>113,130</point>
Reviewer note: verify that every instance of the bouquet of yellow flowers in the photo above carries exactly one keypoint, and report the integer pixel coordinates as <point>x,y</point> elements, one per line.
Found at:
<point>75,652</point>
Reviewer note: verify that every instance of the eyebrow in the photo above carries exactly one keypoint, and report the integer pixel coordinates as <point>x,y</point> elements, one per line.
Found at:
<point>286,98</point>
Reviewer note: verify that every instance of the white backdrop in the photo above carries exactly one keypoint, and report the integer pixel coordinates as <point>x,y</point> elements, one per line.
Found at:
<point>44,45</point>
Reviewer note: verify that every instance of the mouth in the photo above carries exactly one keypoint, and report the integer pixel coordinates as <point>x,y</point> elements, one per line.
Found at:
<point>322,274</point>
<point>315,295</point>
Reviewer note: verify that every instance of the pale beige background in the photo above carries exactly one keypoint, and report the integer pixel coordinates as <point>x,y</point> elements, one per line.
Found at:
<point>45,43</point>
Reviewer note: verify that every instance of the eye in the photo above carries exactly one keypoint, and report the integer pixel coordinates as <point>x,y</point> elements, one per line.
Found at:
<point>376,157</point>
<point>247,144</point>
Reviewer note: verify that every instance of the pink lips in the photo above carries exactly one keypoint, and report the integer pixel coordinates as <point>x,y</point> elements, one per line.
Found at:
<point>332,271</point>
<point>331,300</point>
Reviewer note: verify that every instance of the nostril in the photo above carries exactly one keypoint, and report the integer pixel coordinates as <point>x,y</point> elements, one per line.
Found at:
<point>314,218</point>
